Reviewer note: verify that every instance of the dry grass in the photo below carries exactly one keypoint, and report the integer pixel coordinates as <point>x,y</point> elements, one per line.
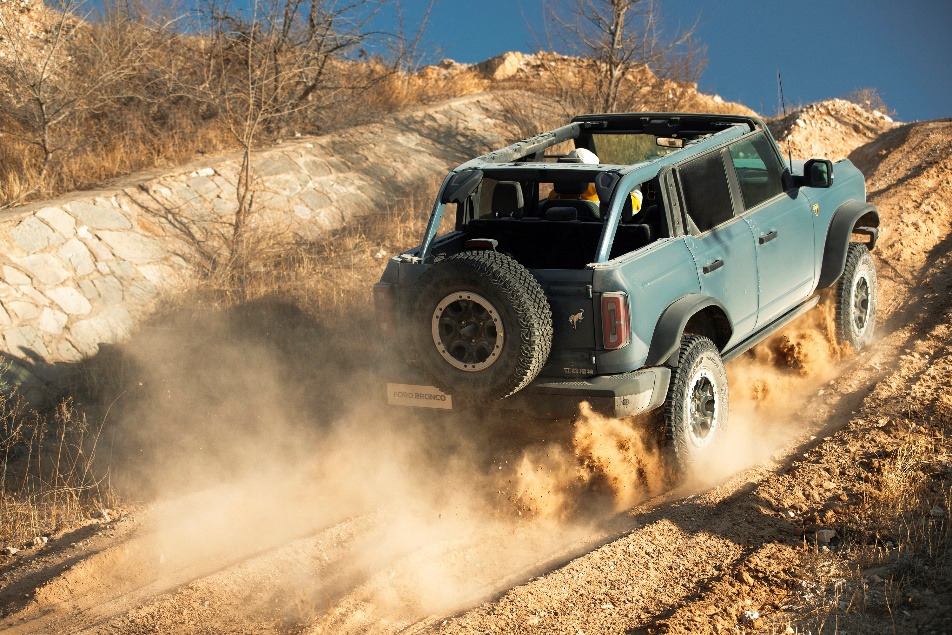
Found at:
<point>331,277</point>
<point>887,570</point>
<point>568,82</point>
<point>47,481</point>
<point>895,550</point>
<point>147,123</point>
<point>144,119</point>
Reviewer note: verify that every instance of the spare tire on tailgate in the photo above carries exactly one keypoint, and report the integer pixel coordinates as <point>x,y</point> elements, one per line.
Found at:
<point>483,326</point>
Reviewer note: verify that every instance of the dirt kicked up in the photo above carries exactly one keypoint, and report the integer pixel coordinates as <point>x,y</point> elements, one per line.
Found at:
<point>284,500</point>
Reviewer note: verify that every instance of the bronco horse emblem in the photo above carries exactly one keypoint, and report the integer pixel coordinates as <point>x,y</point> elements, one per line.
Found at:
<point>575,318</point>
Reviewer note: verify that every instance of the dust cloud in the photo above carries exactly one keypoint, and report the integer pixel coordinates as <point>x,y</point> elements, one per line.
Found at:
<point>621,461</point>
<point>256,437</point>
<point>612,464</point>
<point>770,386</point>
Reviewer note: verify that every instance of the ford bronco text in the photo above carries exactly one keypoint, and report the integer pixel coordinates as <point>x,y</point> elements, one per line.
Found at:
<point>625,272</point>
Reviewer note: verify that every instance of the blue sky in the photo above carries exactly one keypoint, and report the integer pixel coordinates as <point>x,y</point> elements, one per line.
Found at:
<point>822,48</point>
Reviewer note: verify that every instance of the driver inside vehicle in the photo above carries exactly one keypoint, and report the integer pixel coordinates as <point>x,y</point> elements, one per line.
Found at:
<point>568,191</point>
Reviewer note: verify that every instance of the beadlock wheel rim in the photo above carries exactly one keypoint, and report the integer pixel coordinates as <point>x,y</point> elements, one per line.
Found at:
<point>467,331</point>
<point>861,297</point>
<point>703,408</point>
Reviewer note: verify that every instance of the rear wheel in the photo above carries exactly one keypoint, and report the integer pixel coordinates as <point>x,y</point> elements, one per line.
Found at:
<point>695,412</point>
<point>857,298</point>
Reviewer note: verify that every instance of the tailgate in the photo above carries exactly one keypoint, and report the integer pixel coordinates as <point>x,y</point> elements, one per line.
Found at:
<point>573,321</point>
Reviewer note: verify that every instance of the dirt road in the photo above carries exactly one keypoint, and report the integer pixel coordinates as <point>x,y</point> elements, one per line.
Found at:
<point>369,523</point>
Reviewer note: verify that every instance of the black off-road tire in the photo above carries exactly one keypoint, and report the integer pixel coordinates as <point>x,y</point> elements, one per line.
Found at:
<point>856,298</point>
<point>695,411</point>
<point>482,325</point>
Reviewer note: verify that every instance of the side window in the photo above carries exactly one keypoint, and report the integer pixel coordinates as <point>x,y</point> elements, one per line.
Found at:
<point>758,170</point>
<point>707,196</point>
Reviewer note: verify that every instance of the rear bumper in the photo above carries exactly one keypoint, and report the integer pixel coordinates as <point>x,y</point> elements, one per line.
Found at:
<point>622,395</point>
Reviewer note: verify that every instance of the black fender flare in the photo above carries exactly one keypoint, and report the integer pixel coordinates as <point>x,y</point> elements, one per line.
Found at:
<point>666,339</point>
<point>858,216</point>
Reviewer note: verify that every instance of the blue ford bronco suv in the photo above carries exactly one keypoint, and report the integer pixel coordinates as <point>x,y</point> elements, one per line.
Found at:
<point>626,278</point>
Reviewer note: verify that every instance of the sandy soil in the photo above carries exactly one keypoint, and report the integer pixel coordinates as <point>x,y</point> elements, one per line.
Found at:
<point>368,523</point>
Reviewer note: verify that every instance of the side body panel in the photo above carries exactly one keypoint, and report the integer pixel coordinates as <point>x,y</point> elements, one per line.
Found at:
<point>784,240</point>
<point>727,268</point>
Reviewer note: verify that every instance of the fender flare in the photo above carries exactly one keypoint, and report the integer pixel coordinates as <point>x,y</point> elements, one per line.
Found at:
<point>667,334</point>
<point>849,217</point>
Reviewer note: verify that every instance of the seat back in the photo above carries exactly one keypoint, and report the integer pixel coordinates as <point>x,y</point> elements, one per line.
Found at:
<point>507,200</point>
<point>569,189</point>
<point>587,210</point>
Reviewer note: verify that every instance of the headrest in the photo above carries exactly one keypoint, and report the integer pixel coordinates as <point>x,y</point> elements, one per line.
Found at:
<point>561,213</point>
<point>569,187</point>
<point>587,210</point>
<point>507,200</point>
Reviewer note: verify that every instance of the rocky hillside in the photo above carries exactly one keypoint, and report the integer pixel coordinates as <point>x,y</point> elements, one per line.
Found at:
<point>546,71</point>
<point>829,129</point>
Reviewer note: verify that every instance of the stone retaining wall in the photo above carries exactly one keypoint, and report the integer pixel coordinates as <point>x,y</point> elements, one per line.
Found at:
<point>81,270</point>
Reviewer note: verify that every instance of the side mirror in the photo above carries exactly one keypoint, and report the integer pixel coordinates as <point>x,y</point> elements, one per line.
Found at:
<point>818,173</point>
<point>461,185</point>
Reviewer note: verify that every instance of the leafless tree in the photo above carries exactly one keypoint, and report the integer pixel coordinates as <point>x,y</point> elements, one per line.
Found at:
<point>50,81</point>
<point>615,37</point>
<point>409,49</point>
<point>259,66</point>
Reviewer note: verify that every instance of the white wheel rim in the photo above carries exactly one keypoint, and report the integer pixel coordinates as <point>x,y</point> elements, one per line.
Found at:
<point>860,303</point>
<point>467,331</point>
<point>704,408</point>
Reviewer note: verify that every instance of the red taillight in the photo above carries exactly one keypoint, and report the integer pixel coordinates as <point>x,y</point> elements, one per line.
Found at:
<point>383,308</point>
<point>616,325</point>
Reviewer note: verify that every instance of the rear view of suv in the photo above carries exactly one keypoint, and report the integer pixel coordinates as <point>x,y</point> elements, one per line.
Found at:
<point>626,282</point>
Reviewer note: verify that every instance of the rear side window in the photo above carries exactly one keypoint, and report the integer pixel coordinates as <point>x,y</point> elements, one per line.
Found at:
<point>707,196</point>
<point>758,170</point>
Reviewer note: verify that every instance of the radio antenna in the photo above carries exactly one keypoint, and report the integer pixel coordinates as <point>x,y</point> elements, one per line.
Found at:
<point>783,105</point>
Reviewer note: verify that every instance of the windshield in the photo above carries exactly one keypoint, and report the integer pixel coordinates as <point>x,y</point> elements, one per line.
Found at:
<point>628,148</point>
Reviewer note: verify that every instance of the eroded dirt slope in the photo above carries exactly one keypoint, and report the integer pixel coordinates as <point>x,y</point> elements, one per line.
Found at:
<point>328,516</point>
<point>829,129</point>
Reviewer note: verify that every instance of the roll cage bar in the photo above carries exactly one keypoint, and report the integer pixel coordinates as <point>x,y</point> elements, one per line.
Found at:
<point>609,179</point>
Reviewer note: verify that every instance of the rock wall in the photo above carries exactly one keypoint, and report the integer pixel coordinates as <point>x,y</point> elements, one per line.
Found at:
<point>83,269</point>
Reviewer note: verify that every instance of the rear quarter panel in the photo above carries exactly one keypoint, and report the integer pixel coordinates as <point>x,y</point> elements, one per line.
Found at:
<point>653,277</point>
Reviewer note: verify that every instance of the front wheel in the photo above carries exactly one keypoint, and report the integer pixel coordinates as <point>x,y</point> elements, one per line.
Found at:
<point>695,411</point>
<point>856,298</point>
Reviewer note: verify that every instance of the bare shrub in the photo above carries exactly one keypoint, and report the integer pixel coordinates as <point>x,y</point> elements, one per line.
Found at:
<point>53,83</point>
<point>526,117</point>
<point>870,99</point>
<point>47,478</point>
<point>259,70</point>
<point>330,277</point>
<point>79,103</point>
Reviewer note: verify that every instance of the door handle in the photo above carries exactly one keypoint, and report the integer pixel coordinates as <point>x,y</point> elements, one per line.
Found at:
<point>717,264</point>
<point>766,238</point>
